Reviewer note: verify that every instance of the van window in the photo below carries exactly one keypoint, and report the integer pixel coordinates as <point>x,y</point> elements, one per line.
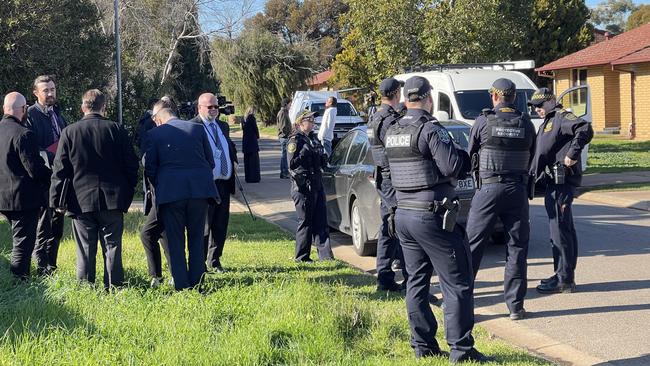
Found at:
<point>444,104</point>
<point>472,102</point>
<point>342,109</point>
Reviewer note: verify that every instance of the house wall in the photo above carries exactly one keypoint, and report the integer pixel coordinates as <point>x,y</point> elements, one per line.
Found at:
<point>642,101</point>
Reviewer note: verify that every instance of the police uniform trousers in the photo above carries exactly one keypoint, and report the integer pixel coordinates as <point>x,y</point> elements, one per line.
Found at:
<point>427,246</point>
<point>252,167</point>
<point>179,216</point>
<point>216,225</point>
<point>388,249</point>
<point>153,237</point>
<point>564,240</point>
<point>312,223</point>
<point>23,231</point>
<point>508,202</point>
<point>48,238</point>
<point>105,227</point>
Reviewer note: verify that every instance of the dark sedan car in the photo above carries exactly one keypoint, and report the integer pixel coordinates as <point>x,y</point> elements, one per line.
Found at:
<point>352,200</point>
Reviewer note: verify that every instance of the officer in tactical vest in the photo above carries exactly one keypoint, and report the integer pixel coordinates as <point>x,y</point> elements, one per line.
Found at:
<point>425,164</point>
<point>306,157</point>
<point>557,164</point>
<point>502,144</point>
<point>388,248</point>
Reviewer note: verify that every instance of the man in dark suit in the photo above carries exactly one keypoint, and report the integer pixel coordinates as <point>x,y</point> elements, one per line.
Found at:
<point>96,157</point>
<point>225,158</point>
<point>23,180</point>
<point>46,121</point>
<point>179,163</point>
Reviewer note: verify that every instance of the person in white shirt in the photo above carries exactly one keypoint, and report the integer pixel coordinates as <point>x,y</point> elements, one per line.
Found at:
<point>326,129</point>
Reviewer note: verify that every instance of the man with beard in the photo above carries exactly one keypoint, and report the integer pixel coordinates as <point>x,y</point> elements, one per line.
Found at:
<point>23,178</point>
<point>46,121</point>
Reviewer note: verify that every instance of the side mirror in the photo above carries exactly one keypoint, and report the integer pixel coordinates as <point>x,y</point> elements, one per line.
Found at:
<point>441,116</point>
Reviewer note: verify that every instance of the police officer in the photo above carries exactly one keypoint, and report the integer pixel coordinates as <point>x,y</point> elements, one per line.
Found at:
<point>388,248</point>
<point>557,164</point>
<point>425,164</point>
<point>306,158</point>
<point>502,144</point>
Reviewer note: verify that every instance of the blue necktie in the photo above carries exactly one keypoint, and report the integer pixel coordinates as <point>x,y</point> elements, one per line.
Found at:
<point>222,157</point>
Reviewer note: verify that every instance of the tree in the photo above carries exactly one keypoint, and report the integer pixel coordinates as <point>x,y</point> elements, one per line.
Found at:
<point>612,14</point>
<point>639,17</point>
<point>257,70</point>
<point>379,43</point>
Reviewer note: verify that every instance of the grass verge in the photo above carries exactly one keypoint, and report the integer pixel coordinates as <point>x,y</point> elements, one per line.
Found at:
<point>618,187</point>
<point>612,155</point>
<point>266,310</point>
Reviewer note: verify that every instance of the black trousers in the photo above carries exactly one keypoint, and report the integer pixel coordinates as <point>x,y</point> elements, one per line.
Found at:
<point>427,247</point>
<point>216,225</point>
<point>252,167</point>
<point>564,239</point>
<point>153,237</point>
<point>48,238</point>
<point>178,217</point>
<point>388,249</point>
<point>508,202</point>
<point>106,227</point>
<point>312,224</point>
<point>23,230</point>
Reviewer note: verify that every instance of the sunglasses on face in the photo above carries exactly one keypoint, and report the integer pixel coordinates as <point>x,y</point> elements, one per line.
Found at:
<point>211,107</point>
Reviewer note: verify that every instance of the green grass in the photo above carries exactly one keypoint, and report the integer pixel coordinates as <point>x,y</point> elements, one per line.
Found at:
<point>268,131</point>
<point>613,155</point>
<point>618,187</point>
<point>266,310</point>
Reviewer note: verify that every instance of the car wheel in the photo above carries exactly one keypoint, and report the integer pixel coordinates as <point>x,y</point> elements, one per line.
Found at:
<point>359,235</point>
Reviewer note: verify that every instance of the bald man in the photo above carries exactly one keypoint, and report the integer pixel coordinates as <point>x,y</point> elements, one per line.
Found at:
<point>225,157</point>
<point>23,181</point>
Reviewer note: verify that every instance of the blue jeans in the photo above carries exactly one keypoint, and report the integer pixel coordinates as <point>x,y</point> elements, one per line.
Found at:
<point>327,145</point>
<point>284,165</point>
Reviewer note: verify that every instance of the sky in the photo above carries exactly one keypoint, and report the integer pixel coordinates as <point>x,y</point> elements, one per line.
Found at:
<point>595,2</point>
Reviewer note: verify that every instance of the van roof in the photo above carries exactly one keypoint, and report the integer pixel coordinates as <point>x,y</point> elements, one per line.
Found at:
<point>472,79</point>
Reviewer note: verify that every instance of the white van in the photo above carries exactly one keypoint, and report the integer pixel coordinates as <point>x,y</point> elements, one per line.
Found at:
<point>347,116</point>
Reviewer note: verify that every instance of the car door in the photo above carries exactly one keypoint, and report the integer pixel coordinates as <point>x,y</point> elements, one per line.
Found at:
<point>578,101</point>
<point>332,181</point>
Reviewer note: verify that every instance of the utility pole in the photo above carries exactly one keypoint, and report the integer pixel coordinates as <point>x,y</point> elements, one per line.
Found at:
<point>118,61</point>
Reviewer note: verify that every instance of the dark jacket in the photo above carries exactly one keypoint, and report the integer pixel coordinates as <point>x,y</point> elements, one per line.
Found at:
<point>41,123</point>
<point>178,162</point>
<point>225,129</point>
<point>144,125</point>
<point>97,156</point>
<point>250,135</point>
<point>306,159</point>
<point>284,123</point>
<point>23,175</point>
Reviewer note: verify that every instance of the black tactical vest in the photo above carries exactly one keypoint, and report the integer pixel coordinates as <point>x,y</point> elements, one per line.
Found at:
<point>376,145</point>
<point>410,170</point>
<point>507,149</point>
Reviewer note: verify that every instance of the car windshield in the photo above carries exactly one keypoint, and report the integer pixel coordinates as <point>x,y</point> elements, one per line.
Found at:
<point>342,109</point>
<point>472,102</point>
<point>460,134</point>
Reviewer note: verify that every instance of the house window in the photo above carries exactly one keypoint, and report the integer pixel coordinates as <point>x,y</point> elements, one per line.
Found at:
<point>578,77</point>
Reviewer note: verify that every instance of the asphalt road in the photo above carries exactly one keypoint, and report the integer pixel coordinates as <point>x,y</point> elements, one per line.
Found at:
<point>606,321</point>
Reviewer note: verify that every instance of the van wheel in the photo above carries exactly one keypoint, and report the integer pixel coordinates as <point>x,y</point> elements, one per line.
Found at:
<point>359,235</point>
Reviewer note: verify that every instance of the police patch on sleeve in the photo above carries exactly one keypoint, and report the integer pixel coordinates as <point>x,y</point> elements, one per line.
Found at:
<point>570,116</point>
<point>291,147</point>
<point>443,135</point>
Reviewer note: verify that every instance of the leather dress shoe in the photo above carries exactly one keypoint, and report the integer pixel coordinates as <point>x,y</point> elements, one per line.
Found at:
<point>392,287</point>
<point>556,288</point>
<point>472,355</point>
<point>551,279</point>
<point>518,315</point>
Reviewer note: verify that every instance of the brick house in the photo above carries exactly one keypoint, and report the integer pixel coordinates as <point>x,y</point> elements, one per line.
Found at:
<point>319,81</point>
<point>617,71</point>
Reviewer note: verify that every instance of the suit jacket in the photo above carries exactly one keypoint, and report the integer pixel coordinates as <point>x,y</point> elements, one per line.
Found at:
<point>178,162</point>
<point>225,129</point>
<point>41,124</point>
<point>23,175</point>
<point>250,135</point>
<point>97,156</point>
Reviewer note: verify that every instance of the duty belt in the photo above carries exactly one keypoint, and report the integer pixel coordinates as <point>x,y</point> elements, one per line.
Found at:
<point>435,206</point>
<point>505,179</point>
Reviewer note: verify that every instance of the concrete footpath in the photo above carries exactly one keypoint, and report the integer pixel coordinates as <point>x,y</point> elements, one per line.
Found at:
<point>639,200</point>
<point>604,323</point>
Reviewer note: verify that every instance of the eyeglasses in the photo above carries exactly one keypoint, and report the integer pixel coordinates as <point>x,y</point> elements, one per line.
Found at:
<point>210,106</point>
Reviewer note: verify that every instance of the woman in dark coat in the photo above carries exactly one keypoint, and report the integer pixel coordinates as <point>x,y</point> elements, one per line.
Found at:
<point>250,147</point>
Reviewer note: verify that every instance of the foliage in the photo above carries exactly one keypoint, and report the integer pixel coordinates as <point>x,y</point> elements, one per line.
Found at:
<point>612,14</point>
<point>379,42</point>
<point>267,310</point>
<point>639,17</point>
<point>257,70</point>
<point>57,37</point>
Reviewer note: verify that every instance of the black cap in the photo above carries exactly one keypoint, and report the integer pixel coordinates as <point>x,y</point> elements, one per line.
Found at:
<point>503,87</point>
<point>390,86</point>
<point>306,115</point>
<point>416,88</point>
<point>540,96</point>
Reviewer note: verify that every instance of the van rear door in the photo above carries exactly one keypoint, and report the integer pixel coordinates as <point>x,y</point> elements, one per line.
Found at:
<point>578,101</point>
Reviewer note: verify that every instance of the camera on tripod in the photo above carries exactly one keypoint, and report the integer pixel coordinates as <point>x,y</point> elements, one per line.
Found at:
<point>225,106</point>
